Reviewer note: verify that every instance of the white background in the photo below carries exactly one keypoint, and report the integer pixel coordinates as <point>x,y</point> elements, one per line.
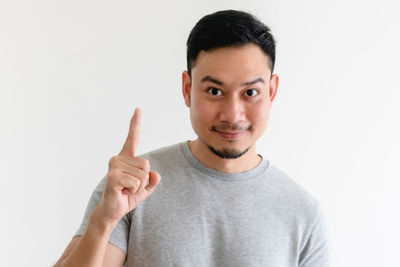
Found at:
<point>72,72</point>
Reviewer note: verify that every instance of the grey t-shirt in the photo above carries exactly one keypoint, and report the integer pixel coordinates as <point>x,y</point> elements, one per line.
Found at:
<point>198,216</point>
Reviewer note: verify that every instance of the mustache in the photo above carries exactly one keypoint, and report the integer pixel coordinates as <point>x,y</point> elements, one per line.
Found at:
<point>230,126</point>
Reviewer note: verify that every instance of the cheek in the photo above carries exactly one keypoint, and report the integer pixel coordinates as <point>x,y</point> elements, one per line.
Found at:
<point>201,112</point>
<point>259,115</point>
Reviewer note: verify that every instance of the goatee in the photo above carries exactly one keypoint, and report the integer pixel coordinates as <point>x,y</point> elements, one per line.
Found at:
<point>228,153</point>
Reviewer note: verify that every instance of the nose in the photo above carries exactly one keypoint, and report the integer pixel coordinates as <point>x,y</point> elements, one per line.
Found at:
<point>232,110</point>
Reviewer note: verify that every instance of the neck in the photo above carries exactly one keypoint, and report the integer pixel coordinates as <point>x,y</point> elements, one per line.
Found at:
<point>202,153</point>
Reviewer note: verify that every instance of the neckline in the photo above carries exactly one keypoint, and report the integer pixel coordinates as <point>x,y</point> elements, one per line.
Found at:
<point>228,177</point>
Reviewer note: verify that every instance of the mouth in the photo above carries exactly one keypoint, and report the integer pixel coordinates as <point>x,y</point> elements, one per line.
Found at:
<point>230,135</point>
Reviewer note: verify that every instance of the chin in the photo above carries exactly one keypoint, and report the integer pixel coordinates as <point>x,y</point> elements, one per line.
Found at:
<point>228,153</point>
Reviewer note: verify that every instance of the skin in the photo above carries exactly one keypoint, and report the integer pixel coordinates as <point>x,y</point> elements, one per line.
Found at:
<point>229,122</point>
<point>232,107</point>
<point>129,182</point>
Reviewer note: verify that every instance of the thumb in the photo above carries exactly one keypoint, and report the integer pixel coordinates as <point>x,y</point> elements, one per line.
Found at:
<point>154,180</point>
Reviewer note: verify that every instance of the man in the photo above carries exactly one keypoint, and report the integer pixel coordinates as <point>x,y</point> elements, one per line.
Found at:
<point>218,203</point>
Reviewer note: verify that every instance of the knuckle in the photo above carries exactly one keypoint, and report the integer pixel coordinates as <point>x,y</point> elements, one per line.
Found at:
<point>112,161</point>
<point>142,174</point>
<point>145,164</point>
<point>136,184</point>
<point>112,174</point>
<point>141,163</point>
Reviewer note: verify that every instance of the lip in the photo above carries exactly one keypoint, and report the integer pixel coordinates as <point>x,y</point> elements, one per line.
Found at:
<point>230,135</point>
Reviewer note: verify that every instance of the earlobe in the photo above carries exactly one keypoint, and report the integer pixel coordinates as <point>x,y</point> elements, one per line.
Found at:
<point>186,87</point>
<point>273,86</point>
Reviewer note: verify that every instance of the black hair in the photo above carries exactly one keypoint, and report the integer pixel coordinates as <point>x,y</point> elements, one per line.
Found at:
<point>228,28</point>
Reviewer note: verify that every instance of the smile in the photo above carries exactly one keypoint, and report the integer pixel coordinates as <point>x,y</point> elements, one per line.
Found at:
<point>230,135</point>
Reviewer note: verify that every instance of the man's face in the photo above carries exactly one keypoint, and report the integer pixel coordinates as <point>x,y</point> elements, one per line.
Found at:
<point>230,96</point>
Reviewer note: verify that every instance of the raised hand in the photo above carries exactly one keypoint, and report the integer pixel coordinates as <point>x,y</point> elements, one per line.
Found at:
<point>129,179</point>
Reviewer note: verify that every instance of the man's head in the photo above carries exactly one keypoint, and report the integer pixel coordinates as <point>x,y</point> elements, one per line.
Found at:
<point>229,85</point>
<point>228,28</point>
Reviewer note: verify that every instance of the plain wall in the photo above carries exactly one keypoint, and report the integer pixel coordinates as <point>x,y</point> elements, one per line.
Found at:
<point>72,72</point>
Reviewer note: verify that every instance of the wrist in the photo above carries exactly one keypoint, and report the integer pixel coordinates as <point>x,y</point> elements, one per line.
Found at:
<point>99,225</point>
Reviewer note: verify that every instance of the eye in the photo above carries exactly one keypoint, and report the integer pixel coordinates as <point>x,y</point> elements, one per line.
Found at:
<point>215,91</point>
<point>251,92</point>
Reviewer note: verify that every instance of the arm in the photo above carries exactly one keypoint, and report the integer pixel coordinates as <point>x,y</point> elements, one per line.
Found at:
<point>129,181</point>
<point>92,248</point>
<point>316,250</point>
<point>113,255</point>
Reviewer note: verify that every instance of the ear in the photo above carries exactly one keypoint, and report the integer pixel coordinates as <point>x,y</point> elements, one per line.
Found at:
<point>273,86</point>
<point>186,87</point>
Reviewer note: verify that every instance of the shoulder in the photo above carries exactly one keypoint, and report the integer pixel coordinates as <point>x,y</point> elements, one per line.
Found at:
<point>294,197</point>
<point>162,152</point>
<point>289,187</point>
<point>168,157</point>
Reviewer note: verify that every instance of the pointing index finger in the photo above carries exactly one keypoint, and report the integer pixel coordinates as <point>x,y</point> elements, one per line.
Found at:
<point>132,141</point>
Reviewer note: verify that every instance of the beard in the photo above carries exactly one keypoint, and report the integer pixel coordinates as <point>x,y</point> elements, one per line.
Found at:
<point>228,153</point>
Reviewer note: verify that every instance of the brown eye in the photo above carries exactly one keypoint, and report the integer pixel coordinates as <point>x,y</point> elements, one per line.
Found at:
<point>214,91</point>
<point>251,92</point>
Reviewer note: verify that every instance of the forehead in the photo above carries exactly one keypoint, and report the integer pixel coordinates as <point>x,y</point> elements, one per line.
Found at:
<point>232,64</point>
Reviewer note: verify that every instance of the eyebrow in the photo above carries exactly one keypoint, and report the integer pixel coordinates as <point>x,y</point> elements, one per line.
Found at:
<point>208,78</point>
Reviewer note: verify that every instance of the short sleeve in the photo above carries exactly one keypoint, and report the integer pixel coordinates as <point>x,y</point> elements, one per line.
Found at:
<point>93,201</point>
<point>316,250</point>
<point>119,236</point>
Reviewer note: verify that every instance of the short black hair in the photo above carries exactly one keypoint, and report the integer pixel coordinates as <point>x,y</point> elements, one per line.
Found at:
<point>228,28</point>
